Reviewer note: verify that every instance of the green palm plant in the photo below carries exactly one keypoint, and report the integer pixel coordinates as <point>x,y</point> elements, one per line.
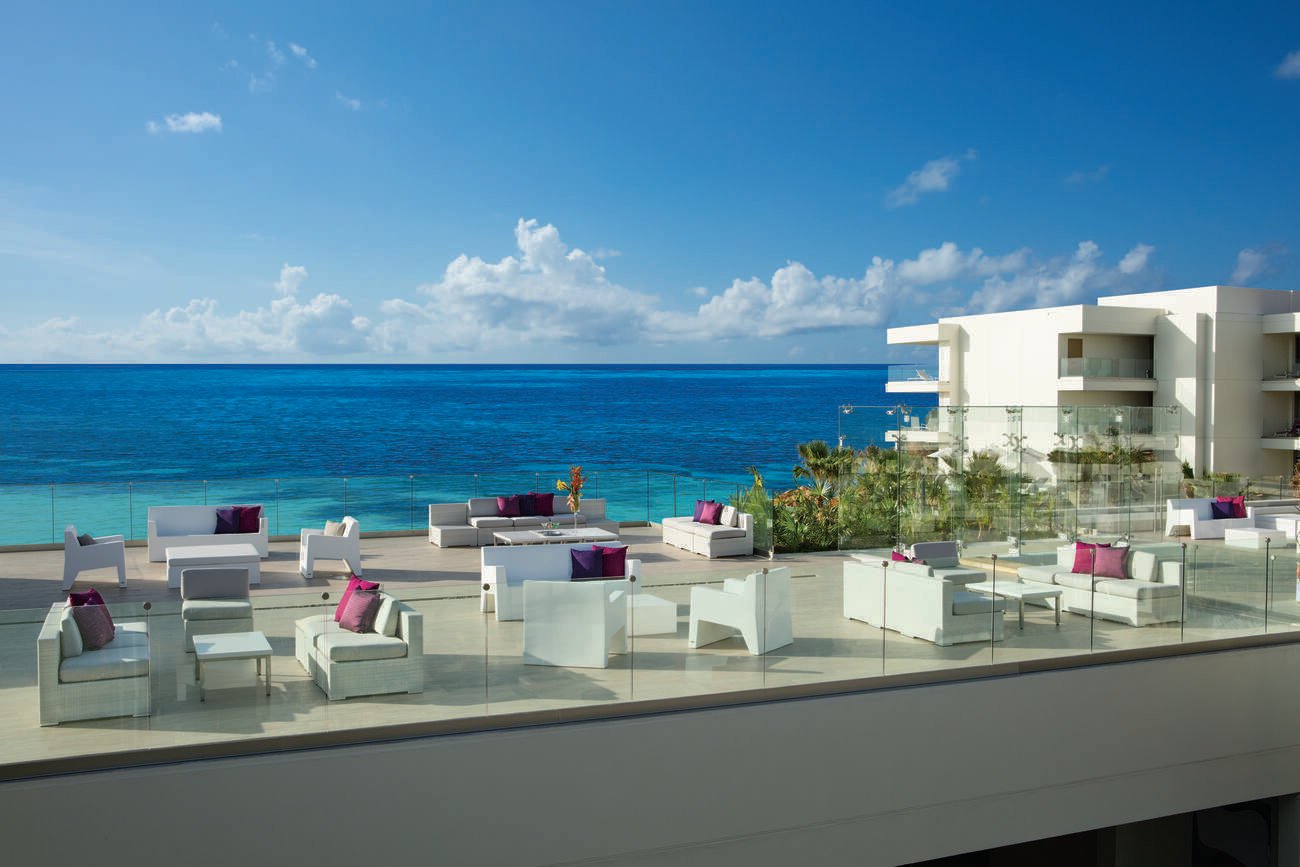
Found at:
<point>822,464</point>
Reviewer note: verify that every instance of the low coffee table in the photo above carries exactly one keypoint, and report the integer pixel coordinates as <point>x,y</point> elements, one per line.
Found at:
<point>201,556</point>
<point>1020,591</point>
<point>553,537</point>
<point>227,646</point>
<point>1254,537</point>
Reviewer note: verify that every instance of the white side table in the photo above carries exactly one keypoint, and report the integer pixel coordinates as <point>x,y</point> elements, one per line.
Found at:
<point>227,646</point>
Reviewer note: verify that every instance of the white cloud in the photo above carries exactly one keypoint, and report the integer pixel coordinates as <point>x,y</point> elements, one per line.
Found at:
<point>933,177</point>
<point>1091,176</point>
<point>1250,264</point>
<point>348,102</point>
<point>260,83</point>
<point>276,55</point>
<point>1135,260</point>
<point>191,121</point>
<point>1289,67</point>
<point>301,53</point>
<point>548,299</point>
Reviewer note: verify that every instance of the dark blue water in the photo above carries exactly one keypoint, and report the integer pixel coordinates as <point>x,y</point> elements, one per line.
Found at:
<point>89,430</point>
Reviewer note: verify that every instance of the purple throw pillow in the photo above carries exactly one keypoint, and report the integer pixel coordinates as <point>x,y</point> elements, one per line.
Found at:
<point>359,616</point>
<point>1238,505</point>
<point>354,584</point>
<point>585,563</point>
<point>228,520</point>
<point>249,519</point>
<point>1220,510</point>
<point>95,625</point>
<point>712,513</point>
<point>613,561</point>
<point>545,504</point>
<point>508,507</point>
<point>1111,563</point>
<point>699,510</point>
<point>527,505</point>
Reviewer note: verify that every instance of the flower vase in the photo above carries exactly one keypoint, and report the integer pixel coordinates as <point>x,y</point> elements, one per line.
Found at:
<point>574,505</point>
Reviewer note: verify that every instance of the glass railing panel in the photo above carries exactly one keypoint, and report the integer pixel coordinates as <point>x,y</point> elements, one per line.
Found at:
<point>97,509</point>
<point>1283,612</point>
<point>1226,590</point>
<point>307,502</point>
<point>382,503</point>
<point>162,493</point>
<point>27,515</point>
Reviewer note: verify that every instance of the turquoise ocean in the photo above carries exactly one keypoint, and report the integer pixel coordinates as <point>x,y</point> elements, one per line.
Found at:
<point>95,445</point>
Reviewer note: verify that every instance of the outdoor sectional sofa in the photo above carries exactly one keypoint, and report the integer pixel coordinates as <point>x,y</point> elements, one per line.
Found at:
<point>505,568</point>
<point>470,524</point>
<point>77,684</point>
<point>730,538</point>
<point>912,599</point>
<point>1197,515</point>
<point>346,664</point>
<point>186,526</point>
<point>1151,594</point>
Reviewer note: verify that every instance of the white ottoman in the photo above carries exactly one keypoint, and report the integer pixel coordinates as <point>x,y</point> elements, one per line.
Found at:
<point>650,615</point>
<point>1253,537</point>
<point>199,556</point>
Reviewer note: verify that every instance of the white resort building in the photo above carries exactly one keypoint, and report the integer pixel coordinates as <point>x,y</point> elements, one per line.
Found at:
<point>1225,357</point>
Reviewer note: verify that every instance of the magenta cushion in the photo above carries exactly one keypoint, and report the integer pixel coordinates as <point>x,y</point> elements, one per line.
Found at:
<point>699,510</point>
<point>359,616</point>
<point>95,625</point>
<point>613,561</point>
<point>354,584</point>
<point>899,558</point>
<point>508,507</point>
<point>1083,556</point>
<point>1111,563</point>
<point>527,505</point>
<point>545,504</point>
<point>90,597</point>
<point>712,513</point>
<point>1238,505</point>
<point>1220,510</point>
<point>227,520</point>
<point>585,563</point>
<point>249,518</point>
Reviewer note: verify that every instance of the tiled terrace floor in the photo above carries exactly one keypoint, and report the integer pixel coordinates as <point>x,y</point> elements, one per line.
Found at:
<point>473,664</point>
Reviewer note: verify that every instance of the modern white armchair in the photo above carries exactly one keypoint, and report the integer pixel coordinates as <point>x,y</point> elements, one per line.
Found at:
<point>106,552</point>
<point>758,606</point>
<point>314,545</point>
<point>575,623</point>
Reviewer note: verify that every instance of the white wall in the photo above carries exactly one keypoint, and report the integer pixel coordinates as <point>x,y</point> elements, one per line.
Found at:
<point>876,778</point>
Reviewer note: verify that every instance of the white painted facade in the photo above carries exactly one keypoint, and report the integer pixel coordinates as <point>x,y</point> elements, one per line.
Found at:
<point>1225,356</point>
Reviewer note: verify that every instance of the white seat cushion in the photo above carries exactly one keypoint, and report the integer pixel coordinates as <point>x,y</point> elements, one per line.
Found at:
<point>1041,574</point>
<point>118,658</point>
<point>529,521</point>
<point>718,531</point>
<point>314,627</point>
<point>491,522</point>
<point>216,609</point>
<point>1077,580</point>
<point>346,646</point>
<point>1136,589</point>
<point>964,602</point>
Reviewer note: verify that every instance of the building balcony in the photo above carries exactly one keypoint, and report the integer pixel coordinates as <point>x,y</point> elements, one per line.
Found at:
<point>1284,381</point>
<point>1105,374</point>
<point>910,379</point>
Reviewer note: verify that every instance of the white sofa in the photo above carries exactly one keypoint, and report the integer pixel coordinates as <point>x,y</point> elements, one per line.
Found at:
<point>1151,594</point>
<point>711,540</point>
<point>1280,514</point>
<point>106,552</point>
<point>1195,514</point>
<point>176,526</point>
<point>76,684</point>
<point>314,545</point>
<point>911,599</point>
<point>472,523</point>
<point>505,568</point>
<point>575,623</point>
<point>345,663</point>
<point>756,606</point>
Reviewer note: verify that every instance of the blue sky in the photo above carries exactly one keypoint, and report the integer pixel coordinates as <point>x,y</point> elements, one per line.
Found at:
<point>621,181</point>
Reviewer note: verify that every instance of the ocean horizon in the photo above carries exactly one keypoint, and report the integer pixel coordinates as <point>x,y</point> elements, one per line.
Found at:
<point>96,444</point>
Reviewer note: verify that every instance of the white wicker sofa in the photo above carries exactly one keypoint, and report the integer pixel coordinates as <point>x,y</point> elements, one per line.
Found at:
<point>176,526</point>
<point>1151,594</point>
<point>505,568</point>
<point>472,523</point>
<point>731,538</point>
<point>910,598</point>
<point>345,663</point>
<point>1196,514</point>
<point>77,684</point>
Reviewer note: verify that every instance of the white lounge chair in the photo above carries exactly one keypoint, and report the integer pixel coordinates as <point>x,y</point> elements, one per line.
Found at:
<point>107,552</point>
<point>757,606</point>
<point>314,545</point>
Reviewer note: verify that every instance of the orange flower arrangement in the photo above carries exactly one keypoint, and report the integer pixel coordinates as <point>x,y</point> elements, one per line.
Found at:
<point>573,486</point>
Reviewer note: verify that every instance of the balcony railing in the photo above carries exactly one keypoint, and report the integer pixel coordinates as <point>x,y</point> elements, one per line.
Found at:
<point>1115,368</point>
<point>912,373</point>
